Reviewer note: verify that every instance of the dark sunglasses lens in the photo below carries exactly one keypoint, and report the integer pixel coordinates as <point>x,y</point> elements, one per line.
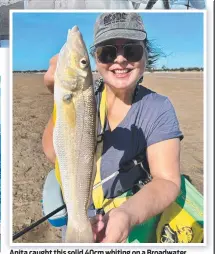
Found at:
<point>133,53</point>
<point>106,54</point>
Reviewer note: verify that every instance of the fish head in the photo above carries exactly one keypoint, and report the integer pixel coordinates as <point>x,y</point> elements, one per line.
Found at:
<point>73,67</point>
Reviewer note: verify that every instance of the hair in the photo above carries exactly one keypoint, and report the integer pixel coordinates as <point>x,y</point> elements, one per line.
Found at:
<point>153,53</point>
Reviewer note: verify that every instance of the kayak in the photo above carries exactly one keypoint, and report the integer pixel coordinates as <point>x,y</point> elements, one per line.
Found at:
<point>181,222</point>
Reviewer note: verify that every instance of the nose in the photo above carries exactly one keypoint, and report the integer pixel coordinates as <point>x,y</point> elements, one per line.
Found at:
<point>120,56</point>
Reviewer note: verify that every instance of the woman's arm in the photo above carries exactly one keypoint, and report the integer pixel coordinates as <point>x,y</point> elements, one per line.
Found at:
<point>47,141</point>
<point>154,197</point>
<point>49,76</point>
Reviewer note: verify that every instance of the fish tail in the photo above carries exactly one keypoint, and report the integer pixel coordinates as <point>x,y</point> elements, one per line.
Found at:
<point>77,234</point>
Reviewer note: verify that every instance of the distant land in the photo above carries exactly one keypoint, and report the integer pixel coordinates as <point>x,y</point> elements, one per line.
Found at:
<point>31,71</point>
<point>163,68</point>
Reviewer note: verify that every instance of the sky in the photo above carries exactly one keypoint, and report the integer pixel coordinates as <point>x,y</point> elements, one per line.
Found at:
<point>39,36</point>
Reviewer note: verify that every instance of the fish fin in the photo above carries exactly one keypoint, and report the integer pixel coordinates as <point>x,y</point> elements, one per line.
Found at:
<point>70,114</point>
<point>54,114</point>
<point>57,173</point>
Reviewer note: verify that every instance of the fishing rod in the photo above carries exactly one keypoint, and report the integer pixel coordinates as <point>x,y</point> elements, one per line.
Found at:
<point>25,230</point>
<point>33,225</point>
<point>125,168</point>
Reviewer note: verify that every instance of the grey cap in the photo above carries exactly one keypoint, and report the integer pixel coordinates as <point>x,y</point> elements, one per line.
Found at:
<point>117,25</point>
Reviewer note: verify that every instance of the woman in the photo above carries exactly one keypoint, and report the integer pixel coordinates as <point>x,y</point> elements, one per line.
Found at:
<point>138,121</point>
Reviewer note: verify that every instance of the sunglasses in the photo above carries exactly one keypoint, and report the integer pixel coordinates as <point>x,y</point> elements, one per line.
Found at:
<point>108,53</point>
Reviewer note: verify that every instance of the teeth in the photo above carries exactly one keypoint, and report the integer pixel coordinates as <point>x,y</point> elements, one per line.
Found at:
<point>121,71</point>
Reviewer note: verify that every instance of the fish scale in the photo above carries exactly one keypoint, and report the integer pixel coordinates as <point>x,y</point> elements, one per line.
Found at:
<point>74,135</point>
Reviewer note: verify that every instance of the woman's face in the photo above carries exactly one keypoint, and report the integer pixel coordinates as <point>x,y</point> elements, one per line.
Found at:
<point>121,73</point>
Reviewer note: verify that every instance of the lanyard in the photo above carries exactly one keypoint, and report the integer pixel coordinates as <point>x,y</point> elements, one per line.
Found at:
<point>98,194</point>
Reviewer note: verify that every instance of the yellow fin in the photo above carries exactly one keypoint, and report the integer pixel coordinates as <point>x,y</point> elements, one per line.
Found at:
<point>54,114</point>
<point>70,114</point>
<point>57,173</point>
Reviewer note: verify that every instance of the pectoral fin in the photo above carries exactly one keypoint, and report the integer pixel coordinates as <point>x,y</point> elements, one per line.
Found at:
<point>70,114</point>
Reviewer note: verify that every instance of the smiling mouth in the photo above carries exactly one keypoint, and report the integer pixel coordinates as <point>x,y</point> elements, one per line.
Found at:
<point>121,71</point>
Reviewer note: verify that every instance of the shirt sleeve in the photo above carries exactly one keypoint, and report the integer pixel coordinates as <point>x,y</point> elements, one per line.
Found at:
<point>165,126</point>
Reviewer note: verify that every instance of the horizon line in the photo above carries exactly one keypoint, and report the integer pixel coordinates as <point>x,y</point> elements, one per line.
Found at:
<point>167,68</point>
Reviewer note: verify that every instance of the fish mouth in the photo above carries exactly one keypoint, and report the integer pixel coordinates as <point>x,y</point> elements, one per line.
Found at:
<point>74,29</point>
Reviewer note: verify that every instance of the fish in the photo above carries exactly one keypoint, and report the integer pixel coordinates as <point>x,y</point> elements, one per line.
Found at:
<point>74,134</point>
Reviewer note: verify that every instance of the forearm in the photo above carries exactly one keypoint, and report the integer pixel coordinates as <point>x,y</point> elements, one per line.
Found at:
<point>49,76</point>
<point>151,200</point>
<point>48,80</point>
<point>47,142</point>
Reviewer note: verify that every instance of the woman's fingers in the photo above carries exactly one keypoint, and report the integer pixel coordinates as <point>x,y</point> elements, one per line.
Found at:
<point>98,227</point>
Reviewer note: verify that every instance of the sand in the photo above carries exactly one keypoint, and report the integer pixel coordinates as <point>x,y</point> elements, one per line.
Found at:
<point>32,106</point>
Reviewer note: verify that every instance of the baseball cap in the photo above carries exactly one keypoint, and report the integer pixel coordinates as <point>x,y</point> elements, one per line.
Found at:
<point>118,25</point>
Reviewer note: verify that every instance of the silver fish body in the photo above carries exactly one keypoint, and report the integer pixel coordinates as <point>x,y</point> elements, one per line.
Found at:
<point>74,135</point>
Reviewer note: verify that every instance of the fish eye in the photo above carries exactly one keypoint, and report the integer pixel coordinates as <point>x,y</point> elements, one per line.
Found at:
<point>83,63</point>
<point>67,98</point>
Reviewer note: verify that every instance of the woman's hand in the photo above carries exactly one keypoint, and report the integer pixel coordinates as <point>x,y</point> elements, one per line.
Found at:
<point>49,75</point>
<point>98,228</point>
<point>113,227</point>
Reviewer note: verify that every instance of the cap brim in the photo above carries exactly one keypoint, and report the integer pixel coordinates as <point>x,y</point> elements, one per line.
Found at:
<point>119,34</point>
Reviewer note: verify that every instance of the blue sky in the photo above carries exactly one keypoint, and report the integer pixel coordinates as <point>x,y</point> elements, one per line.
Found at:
<point>38,36</point>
